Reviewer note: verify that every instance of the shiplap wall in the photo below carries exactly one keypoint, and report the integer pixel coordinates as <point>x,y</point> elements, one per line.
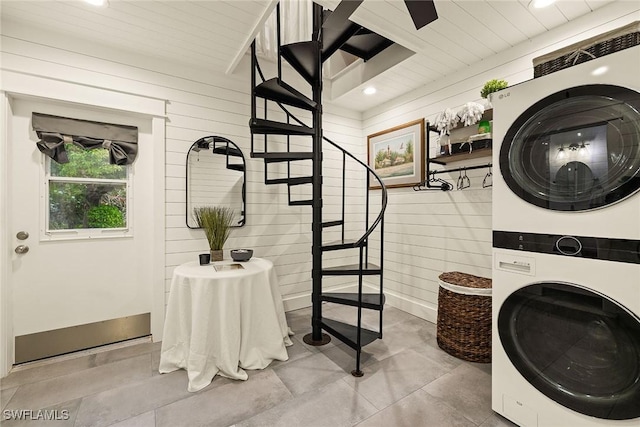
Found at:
<point>201,103</point>
<point>432,232</point>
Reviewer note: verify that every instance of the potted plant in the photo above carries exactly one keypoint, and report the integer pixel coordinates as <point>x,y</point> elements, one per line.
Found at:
<point>216,223</point>
<point>493,86</point>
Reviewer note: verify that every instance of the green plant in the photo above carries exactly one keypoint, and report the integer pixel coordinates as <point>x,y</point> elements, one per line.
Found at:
<point>105,216</point>
<point>493,86</point>
<point>216,222</point>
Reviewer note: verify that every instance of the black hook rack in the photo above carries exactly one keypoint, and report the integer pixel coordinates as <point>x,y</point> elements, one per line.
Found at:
<point>438,184</point>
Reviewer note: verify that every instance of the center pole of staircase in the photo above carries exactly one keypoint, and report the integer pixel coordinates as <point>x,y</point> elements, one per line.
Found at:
<point>316,337</point>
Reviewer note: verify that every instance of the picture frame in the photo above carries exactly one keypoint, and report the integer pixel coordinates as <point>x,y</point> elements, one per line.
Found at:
<point>397,155</point>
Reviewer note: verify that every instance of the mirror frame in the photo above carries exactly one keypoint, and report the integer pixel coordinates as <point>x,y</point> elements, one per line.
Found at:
<point>227,146</point>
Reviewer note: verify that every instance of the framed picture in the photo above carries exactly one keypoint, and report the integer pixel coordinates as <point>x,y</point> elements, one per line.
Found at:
<point>397,155</point>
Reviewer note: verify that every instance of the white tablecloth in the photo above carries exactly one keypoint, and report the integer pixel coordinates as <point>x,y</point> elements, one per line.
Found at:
<point>219,322</point>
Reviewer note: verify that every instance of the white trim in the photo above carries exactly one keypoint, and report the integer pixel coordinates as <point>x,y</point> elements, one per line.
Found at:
<point>6,313</point>
<point>392,299</point>
<point>159,231</point>
<point>297,302</point>
<point>27,85</point>
<point>400,302</point>
<point>22,85</point>
<point>259,26</point>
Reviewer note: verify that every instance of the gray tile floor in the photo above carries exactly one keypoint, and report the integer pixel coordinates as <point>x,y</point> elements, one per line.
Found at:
<point>408,381</point>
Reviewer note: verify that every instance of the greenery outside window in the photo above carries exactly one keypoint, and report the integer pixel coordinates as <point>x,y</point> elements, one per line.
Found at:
<point>87,197</point>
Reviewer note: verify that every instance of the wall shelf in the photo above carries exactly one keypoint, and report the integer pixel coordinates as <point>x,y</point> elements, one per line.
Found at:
<point>458,135</point>
<point>475,154</point>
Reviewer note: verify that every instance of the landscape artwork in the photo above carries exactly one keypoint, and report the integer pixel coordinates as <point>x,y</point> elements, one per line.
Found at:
<point>394,157</point>
<point>396,154</point>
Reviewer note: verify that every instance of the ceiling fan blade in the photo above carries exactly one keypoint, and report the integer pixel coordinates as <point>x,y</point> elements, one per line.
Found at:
<point>342,12</point>
<point>422,12</point>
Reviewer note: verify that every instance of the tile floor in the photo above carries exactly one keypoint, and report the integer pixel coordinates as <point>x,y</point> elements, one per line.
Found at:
<point>408,381</point>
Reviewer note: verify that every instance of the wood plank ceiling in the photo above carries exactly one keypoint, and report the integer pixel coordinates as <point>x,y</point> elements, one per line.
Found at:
<point>212,33</point>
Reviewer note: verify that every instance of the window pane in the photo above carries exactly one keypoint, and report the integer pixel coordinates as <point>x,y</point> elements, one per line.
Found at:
<point>90,205</point>
<point>88,164</point>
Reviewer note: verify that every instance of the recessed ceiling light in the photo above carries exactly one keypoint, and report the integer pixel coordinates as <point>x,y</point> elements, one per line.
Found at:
<point>97,2</point>
<point>539,4</point>
<point>369,90</point>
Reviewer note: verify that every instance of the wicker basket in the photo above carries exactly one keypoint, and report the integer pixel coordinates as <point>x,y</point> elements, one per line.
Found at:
<point>594,47</point>
<point>464,316</point>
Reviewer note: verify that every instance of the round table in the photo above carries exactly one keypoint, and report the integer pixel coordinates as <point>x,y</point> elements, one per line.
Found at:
<point>223,321</point>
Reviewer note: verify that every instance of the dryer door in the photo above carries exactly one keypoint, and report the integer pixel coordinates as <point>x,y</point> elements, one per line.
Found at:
<point>575,150</point>
<point>576,346</point>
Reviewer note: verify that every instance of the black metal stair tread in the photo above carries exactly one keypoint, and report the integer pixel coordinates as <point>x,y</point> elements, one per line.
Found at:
<point>348,334</point>
<point>351,270</point>
<point>332,223</point>
<point>340,244</point>
<point>342,12</point>
<point>276,90</point>
<point>230,151</point>
<point>366,44</point>
<point>290,181</point>
<point>236,167</point>
<point>370,301</point>
<point>303,57</point>
<point>283,156</point>
<point>271,127</point>
<point>301,203</point>
<point>334,37</point>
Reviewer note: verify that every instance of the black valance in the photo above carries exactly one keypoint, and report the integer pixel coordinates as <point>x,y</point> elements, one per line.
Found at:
<point>54,132</point>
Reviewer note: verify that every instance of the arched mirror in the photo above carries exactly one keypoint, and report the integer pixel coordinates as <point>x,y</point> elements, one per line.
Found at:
<point>216,177</point>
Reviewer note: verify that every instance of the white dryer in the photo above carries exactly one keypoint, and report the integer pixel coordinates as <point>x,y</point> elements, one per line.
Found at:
<point>566,238</point>
<point>567,154</point>
<point>566,332</point>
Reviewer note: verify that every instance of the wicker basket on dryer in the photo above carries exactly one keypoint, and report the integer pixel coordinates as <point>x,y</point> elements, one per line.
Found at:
<point>464,316</point>
<point>586,50</point>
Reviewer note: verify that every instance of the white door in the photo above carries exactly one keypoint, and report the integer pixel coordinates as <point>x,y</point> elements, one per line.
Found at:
<point>70,279</point>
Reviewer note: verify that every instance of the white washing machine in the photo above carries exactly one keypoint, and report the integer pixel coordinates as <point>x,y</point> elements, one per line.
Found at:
<point>567,153</point>
<point>566,237</point>
<point>566,332</point>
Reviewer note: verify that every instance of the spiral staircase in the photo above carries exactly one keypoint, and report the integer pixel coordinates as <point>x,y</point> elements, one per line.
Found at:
<point>271,140</point>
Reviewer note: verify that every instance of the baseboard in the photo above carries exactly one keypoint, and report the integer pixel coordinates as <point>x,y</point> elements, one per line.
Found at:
<point>417,309</point>
<point>303,301</point>
<point>297,302</point>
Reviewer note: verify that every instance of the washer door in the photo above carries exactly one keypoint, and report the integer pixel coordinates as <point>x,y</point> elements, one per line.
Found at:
<point>575,150</point>
<point>576,346</point>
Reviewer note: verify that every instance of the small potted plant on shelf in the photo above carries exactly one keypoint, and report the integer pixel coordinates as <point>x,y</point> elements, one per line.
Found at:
<point>493,86</point>
<point>216,222</point>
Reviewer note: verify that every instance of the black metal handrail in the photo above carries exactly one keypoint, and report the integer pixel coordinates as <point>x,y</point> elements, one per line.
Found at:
<point>345,152</point>
<point>382,186</point>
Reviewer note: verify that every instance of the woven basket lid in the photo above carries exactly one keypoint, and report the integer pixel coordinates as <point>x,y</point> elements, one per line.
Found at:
<point>465,283</point>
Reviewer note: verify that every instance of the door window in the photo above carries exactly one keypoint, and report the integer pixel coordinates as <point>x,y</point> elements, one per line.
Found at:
<point>575,150</point>
<point>577,347</point>
<point>86,197</point>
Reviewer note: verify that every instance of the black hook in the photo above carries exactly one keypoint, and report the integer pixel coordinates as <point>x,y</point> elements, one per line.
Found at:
<point>466,182</point>
<point>463,181</point>
<point>488,180</point>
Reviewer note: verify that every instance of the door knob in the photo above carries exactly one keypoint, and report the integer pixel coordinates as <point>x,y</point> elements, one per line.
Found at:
<point>22,249</point>
<point>22,235</point>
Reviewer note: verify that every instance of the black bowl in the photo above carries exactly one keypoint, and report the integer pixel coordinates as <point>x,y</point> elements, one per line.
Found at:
<point>241,254</point>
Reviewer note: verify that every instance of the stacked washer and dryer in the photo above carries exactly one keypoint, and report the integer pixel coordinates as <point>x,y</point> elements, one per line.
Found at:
<point>566,238</point>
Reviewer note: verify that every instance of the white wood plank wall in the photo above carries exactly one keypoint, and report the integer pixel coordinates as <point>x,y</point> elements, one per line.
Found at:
<point>431,232</point>
<point>427,232</point>
<point>199,103</point>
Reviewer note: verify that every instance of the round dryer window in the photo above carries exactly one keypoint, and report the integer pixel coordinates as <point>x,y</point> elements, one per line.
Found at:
<point>575,150</point>
<point>578,347</point>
